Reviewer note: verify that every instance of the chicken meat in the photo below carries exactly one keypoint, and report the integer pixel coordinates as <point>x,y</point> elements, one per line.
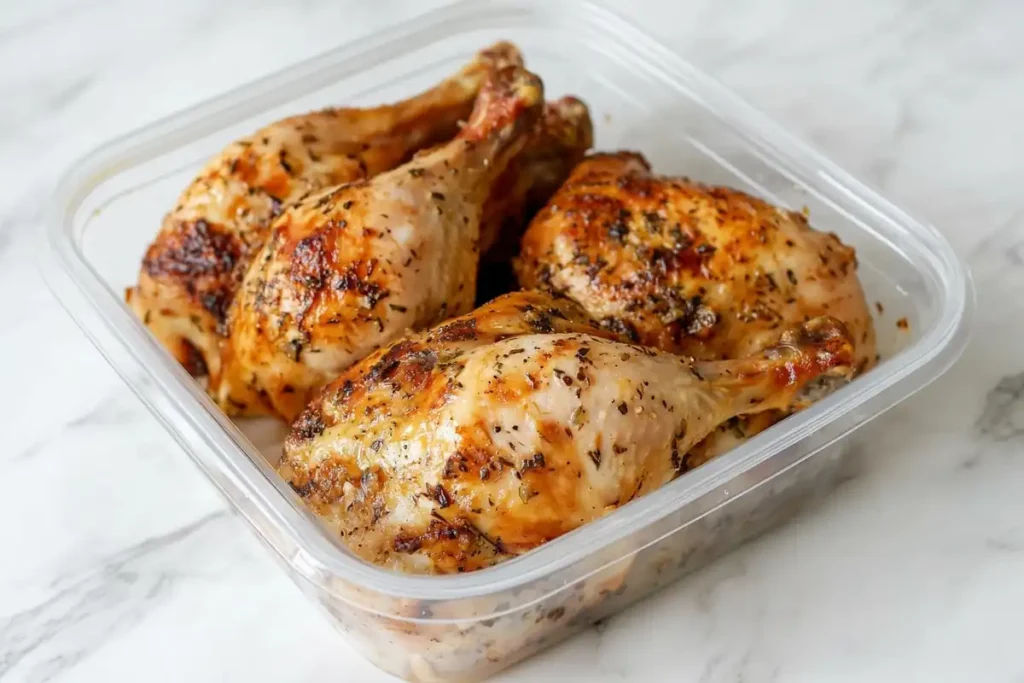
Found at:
<point>192,270</point>
<point>707,272</point>
<point>347,269</point>
<point>457,448</point>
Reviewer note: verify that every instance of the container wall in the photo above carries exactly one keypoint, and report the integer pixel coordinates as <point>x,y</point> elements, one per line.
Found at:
<point>426,651</point>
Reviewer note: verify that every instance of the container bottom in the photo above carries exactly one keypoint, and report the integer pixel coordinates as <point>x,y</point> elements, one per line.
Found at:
<point>472,650</point>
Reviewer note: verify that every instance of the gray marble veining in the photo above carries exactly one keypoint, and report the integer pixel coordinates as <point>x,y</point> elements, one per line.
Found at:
<point>86,611</point>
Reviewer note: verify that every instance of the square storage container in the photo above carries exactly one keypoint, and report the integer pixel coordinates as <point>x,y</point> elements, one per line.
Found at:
<point>642,96</point>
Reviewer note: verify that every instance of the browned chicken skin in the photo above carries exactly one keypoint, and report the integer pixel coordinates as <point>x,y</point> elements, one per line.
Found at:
<point>496,432</point>
<point>348,269</point>
<point>192,270</point>
<point>707,272</point>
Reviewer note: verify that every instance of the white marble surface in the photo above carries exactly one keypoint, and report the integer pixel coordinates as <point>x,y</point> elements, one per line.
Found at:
<point>119,562</point>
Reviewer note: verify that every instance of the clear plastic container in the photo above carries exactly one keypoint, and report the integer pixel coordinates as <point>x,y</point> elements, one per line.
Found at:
<point>642,96</point>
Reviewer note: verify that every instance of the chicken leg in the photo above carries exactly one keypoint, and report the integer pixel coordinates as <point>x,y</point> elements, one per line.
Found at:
<point>455,449</point>
<point>350,268</point>
<point>708,272</point>
<point>192,270</point>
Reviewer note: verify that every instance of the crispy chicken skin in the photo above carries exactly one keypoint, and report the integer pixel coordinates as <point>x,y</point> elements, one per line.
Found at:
<point>191,272</point>
<point>489,435</point>
<point>347,269</point>
<point>708,272</point>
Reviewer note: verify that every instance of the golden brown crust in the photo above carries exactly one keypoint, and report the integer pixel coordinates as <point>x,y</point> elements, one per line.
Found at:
<point>348,269</point>
<point>454,449</point>
<point>407,383</point>
<point>709,272</point>
<point>192,271</point>
<point>402,369</point>
<point>704,271</point>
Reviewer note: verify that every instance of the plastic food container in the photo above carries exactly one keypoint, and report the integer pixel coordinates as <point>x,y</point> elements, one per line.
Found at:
<point>643,97</point>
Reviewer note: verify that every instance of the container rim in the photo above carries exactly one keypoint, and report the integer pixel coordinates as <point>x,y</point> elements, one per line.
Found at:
<point>315,555</point>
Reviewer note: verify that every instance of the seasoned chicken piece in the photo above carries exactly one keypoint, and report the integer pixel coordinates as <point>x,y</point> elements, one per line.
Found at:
<point>346,270</point>
<point>192,270</point>
<point>708,272</point>
<point>493,433</point>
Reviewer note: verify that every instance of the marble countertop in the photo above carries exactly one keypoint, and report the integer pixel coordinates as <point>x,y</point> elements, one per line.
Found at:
<point>120,562</point>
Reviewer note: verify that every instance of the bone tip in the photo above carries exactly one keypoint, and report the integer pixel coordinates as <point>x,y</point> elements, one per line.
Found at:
<point>501,54</point>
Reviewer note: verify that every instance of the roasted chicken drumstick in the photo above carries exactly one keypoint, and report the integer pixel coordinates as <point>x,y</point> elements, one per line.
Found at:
<point>347,269</point>
<point>192,270</point>
<point>495,432</point>
<point>707,272</point>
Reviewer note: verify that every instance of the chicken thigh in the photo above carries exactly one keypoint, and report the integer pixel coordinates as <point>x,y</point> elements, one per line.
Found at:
<point>493,433</point>
<point>192,270</point>
<point>707,272</point>
<point>348,269</point>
